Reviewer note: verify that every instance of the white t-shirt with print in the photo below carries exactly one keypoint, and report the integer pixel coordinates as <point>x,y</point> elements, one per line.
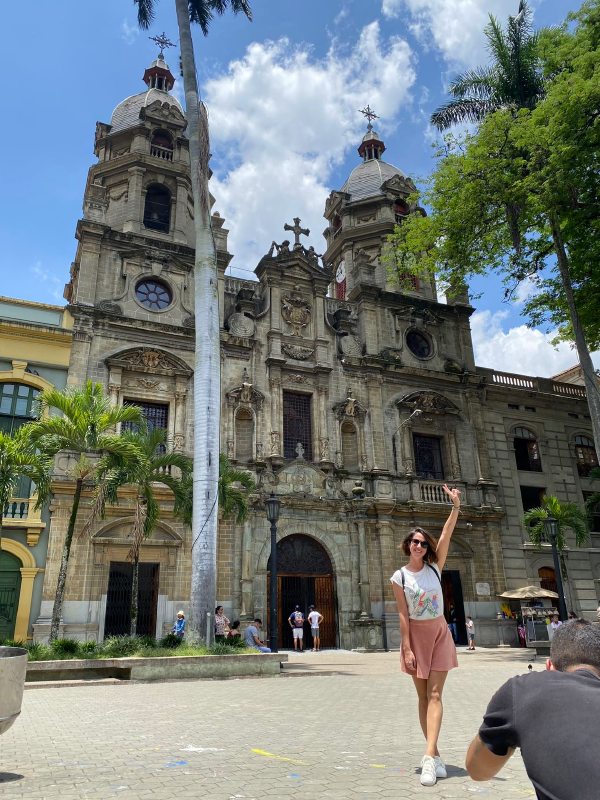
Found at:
<point>423,592</point>
<point>470,627</point>
<point>313,618</point>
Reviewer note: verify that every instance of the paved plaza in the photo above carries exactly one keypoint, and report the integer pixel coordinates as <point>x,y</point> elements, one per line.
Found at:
<point>343,727</point>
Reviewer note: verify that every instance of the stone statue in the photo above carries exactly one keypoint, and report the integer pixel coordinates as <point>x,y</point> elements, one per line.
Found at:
<point>300,452</point>
<point>350,408</point>
<point>246,393</point>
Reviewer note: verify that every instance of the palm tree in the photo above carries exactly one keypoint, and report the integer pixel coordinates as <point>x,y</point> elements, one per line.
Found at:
<point>86,428</point>
<point>514,78</point>
<point>152,468</point>
<point>19,459</point>
<point>207,374</point>
<point>231,499</point>
<point>568,515</point>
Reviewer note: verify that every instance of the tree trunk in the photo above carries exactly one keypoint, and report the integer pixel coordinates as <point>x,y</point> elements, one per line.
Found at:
<point>585,361</point>
<point>62,575</point>
<point>207,378</point>
<point>134,594</point>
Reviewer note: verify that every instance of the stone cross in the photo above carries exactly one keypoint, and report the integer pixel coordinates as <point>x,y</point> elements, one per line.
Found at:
<point>300,451</point>
<point>296,230</point>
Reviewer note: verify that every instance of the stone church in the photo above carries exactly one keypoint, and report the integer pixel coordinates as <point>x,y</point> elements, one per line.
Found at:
<point>352,398</point>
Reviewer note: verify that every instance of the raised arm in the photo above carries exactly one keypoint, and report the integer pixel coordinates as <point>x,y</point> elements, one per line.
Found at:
<point>444,540</point>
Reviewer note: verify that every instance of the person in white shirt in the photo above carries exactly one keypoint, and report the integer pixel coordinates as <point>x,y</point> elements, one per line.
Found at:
<point>315,619</point>
<point>471,633</point>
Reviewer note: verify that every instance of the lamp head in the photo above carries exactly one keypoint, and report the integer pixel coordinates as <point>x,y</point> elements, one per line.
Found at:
<point>416,413</point>
<point>551,528</point>
<point>273,505</point>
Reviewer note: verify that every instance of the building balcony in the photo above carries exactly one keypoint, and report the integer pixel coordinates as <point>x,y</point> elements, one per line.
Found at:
<point>165,153</point>
<point>20,513</point>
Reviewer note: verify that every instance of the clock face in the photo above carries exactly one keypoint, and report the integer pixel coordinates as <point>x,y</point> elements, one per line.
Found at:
<point>340,273</point>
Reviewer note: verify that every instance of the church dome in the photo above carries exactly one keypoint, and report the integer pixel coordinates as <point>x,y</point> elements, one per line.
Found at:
<point>366,179</point>
<point>127,113</point>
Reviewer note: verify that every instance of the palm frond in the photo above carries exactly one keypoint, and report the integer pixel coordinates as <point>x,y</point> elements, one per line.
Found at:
<point>457,111</point>
<point>145,13</point>
<point>475,84</point>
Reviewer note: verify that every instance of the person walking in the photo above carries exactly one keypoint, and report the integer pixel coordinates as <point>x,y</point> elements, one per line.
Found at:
<point>552,716</point>
<point>315,619</point>
<point>296,620</point>
<point>428,651</point>
<point>470,633</point>
<point>221,625</point>
<point>452,624</point>
<point>178,628</point>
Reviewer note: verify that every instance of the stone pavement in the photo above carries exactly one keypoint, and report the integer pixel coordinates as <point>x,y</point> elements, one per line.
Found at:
<point>311,737</point>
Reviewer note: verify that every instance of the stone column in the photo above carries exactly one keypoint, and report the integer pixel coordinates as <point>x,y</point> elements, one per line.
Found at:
<point>376,409</point>
<point>180,416</point>
<point>276,419</point>
<point>133,211</point>
<point>406,449</point>
<point>483,459</point>
<point>24,608</point>
<point>247,572</point>
<point>230,423</point>
<point>80,353</point>
<point>363,571</point>
<point>454,457</point>
<point>180,211</point>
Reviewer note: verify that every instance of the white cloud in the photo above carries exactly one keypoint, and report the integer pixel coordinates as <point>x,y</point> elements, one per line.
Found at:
<point>52,284</point>
<point>453,27</point>
<point>522,350</point>
<point>129,33</point>
<point>281,120</point>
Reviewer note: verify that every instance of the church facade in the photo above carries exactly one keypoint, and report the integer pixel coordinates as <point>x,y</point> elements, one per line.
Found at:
<point>352,398</point>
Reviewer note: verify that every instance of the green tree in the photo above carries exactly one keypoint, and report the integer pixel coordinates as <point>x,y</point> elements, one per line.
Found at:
<point>514,79</point>
<point>207,376</point>
<point>85,427</point>
<point>19,459</point>
<point>520,197</point>
<point>233,500</point>
<point>592,504</point>
<point>158,464</point>
<point>569,516</point>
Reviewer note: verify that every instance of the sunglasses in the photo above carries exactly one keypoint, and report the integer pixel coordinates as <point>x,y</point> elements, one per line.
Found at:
<point>423,544</point>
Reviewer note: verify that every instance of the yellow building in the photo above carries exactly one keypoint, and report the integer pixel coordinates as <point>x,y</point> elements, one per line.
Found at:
<point>35,345</point>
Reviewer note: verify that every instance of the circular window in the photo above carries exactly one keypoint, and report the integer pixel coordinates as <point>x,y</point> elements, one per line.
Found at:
<point>154,294</point>
<point>418,344</point>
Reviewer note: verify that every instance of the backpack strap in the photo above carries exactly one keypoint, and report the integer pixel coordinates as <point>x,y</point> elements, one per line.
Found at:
<point>435,569</point>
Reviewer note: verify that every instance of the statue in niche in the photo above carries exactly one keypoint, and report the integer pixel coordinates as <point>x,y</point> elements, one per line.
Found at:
<point>296,311</point>
<point>246,393</point>
<point>350,408</point>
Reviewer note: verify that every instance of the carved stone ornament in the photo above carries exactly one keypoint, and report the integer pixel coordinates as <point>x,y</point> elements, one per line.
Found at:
<point>178,441</point>
<point>324,449</point>
<point>246,393</point>
<point>241,325</point>
<point>350,407</point>
<point>350,345</point>
<point>275,439</point>
<point>339,459</point>
<point>429,403</point>
<point>148,359</point>
<point>333,488</point>
<point>109,307</point>
<point>392,355</point>
<point>230,450</point>
<point>260,454</point>
<point>146,384</point>
<point>298,378</point>
<point>297,352</point>
<point>296,311</point>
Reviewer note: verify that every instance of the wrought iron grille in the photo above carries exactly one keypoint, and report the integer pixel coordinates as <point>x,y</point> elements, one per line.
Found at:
<point>118,599</point>
<point>296,425</point>
<point>157,416</point>
<point>428,457</point>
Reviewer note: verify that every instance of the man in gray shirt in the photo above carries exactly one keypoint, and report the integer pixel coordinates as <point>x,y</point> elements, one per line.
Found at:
<point>251,637</point>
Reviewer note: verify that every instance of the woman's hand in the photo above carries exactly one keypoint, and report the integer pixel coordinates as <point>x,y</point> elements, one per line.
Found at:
<point>453,494</point>
<point>409,659</point>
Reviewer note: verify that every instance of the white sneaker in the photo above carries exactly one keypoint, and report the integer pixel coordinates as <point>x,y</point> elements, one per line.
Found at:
<point>428,771</point>
<point>440,768</point>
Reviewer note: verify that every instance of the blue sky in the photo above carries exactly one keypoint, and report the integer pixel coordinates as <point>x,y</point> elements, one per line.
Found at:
<point>283,94</point>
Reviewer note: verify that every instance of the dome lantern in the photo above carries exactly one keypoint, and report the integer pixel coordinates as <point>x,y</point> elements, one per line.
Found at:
<point>371,148</point>
<point>158,75</point>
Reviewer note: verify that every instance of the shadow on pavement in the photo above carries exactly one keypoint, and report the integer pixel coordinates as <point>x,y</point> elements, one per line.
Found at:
<point>7,777</point>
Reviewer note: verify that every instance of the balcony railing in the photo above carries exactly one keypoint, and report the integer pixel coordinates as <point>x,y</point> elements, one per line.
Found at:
<point>512,381</point>
<point>17,508</point>
<point>433,493</point>
<point>161,152</point>
<point>569,389</point>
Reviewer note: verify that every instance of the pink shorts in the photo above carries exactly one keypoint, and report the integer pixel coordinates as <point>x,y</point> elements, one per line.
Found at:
<point>432,645</point>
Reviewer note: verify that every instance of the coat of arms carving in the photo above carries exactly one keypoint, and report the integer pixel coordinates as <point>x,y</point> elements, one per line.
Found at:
<point>296,311</point>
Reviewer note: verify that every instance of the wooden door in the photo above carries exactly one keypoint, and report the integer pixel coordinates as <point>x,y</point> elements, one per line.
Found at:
<point>548,579</point>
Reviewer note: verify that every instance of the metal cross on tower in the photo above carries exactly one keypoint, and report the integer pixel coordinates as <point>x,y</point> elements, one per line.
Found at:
<point>370,115</point>
<point>162,42</point>
<point>296,230</point>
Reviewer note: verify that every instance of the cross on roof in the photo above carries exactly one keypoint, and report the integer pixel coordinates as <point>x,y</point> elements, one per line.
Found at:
<point>162,42</point>
<point>370,115</point>
<point>296,230</point>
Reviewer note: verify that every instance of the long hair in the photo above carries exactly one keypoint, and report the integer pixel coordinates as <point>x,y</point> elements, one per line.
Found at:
<point>430,556</point>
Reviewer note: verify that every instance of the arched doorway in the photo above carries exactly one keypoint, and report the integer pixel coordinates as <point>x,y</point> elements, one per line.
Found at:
<point>304,578</point>
<point>10,590</point>
<point>548,579</point>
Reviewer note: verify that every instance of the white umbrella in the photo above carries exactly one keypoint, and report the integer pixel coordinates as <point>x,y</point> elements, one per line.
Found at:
<point>527,593</point>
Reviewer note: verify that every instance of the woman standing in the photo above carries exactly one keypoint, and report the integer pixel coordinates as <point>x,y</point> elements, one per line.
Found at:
<point>221,624</point>
<point>428,651</point>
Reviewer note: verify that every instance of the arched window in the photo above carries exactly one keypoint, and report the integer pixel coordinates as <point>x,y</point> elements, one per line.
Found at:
<point>157,209</point>
<point>349,445</point>
<point>587,458</point>
<point>527,452</point>
<point>547,577</point>
<point>161,145</point>
<point>244,433</point>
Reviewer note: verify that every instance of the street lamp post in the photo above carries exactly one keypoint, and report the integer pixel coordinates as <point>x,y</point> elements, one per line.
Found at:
<point>273,505</point>
<point>551,527</point>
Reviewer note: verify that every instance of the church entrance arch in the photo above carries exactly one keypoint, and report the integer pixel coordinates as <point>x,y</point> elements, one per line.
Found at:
<point>304,578</point>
